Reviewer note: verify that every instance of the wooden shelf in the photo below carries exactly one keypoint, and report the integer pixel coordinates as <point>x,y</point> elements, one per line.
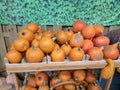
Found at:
<point>52,66</point>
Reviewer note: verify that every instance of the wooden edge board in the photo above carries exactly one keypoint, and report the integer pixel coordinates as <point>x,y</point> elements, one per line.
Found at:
<point>29,67</point>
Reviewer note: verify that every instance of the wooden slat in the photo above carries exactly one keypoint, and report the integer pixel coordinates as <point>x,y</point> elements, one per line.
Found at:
<point>30,67</point>
<point>2,45</point>
<point>11,31</point>
<point>57,28</point>
<point>44,27</point>
<point>6,87</point>
<point>114,28</point>
<point>20,27</point>
<point>107,87</point>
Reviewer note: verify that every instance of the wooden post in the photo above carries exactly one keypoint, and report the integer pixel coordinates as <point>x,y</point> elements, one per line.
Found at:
<point>2,46</point>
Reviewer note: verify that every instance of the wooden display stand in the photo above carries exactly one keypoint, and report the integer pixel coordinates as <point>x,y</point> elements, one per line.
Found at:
<point>9,34</point>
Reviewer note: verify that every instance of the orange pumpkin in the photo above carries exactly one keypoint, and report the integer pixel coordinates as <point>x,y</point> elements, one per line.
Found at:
<point>14,56</point>
<point>39,30</point>
<point>95,54</point>
<point>76,40</point>
<point>64,75</point>
<point>88,32</point>
<point>61,37</point>
<point>38,35</point>
<point>44,87</point>
<point>87,44</point>
<point>78,26</point>
<point>111,51</point>
<point>69,33</point>
<point>54,81</point>
<point>99,29</point>
<point>21,45</point>
<point>30,88</point>
<point>90,77</point>
<point>79,75</point>
<point>101,41</point>
<point>46,44</point>
<point>12,47</point>
<point>33,27</point>
<point>34,54</point>
<point>47,33</point>
<point>66,48</point>
<point>93,87</point>
<point>31,82</point>
<point>57,55</point>
<point>34,42</point>
<point>69,87</point>
<point>41,78</point>
<point>56,46</point>
<point>76,54</point>
<point>26,34</point>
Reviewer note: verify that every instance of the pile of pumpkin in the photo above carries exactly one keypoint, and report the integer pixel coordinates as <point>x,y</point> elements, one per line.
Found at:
<point>34,44</point>
<point>84,79</point>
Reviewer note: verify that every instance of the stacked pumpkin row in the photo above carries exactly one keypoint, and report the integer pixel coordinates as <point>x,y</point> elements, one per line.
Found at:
<point>83,39</point>
<point>84,79</point>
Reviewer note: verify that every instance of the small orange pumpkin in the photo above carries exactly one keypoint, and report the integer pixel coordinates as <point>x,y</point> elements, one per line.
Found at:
<point>66,48</point>
<point>93,87</point>
<point>38,35</point>
<point>30,88</point>
<point>95,53</point>
<point>56,46</point>
<point>34,42</point>
<point>64,75</point>
<point>33,27</point>
<point>69,32</point>
<point>39,30</point>
<point>87,44</point>
<point>78,25</point>
<point>88,32</point>
<point>34,54</point>
<point>76,54</point>
<point>90,77</point>
<point>47,33</point>
<point>41,78</point>
<point>69,87</point>
<point>111,51</point>
<point>14,56</point>
<point>79,75</point>
<point>101,41</point>
<point>31,82</point>
<point>99,29</point>
<point>44,87</point>
<point>46,44</point>
<point>76,40</point>
<point>54,81</point>
<point>12,47</point>
<point>57,55</point>
<point>26,34</point>
<point>21,45</point>
<point>61,37</point>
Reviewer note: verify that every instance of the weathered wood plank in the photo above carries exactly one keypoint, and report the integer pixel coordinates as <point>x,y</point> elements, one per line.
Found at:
<point>11,31</point>
<point>2,46</point>
<point>20,27</point>
<point>114,27</point>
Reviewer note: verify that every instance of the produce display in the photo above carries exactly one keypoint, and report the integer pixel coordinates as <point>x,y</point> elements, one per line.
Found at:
<point>62,80</point>
<point>34,44</point>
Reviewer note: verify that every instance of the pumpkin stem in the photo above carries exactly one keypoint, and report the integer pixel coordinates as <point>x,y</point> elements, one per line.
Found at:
<point>95,82</point>
<point>34,47</point>
<point>23,33</point>
<point>76,79</point>
<point>53,38</point>
<point>79,49</point>
<point>66,43</point>
<point>68,28</point>
<point>45,82</point>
